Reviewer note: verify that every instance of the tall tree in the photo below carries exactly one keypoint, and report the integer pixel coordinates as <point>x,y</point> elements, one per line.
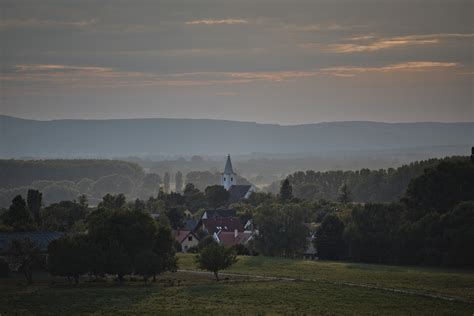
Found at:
<point>18,216</point>
<point>286,191</point>
<point>166,182</point>
<point>179,182</point>
<point>110,201</point>
<point>216,196</point>
<point>344,194</point>
<point>34,199</point>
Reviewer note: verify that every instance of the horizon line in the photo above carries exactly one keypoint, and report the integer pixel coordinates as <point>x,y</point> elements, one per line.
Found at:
<point>236,121</point>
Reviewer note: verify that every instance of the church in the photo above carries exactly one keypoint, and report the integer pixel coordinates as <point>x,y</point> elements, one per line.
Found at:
<point>237,192</point>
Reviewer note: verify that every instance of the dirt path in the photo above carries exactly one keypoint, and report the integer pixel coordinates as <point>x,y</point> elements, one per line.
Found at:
<point>366,286</point>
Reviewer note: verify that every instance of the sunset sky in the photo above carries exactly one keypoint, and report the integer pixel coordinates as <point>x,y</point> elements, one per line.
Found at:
<point>284,62</point>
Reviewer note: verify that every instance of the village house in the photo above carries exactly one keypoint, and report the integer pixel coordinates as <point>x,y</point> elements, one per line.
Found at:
<point>187,239</point>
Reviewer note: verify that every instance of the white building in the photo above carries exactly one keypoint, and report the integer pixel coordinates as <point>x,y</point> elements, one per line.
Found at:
<point>229,182</point>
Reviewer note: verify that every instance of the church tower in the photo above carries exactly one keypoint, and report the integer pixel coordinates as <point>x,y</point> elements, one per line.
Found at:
<point>228,177</point>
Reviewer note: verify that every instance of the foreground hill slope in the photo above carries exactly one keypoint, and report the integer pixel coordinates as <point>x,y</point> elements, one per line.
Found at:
<point>125,137</point>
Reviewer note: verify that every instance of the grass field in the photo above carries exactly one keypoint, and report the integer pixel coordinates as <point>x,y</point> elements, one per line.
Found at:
<point>318,289</point>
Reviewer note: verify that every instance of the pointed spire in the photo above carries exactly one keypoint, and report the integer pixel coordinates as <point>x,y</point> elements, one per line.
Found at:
<point>228,166</point>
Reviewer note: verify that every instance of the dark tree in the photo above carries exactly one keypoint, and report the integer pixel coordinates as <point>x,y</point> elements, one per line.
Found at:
<point>147,264</point>
<point>68,256</point>
<point>123,235</point>
<point>344,194</point>
<point>175,216</point>
<point>18,216</point>
<point>441,188</point>
<point>329,242</point>
<point>373,232</point>
<point>215,257</point>
<point>281,230</point>
<point>458,235</point>
<point>25,254</point>
<point>166,182</point>
<point>34,199</point>
<point>216,196</point>
<point>164,248</point>
<point>286,191</point>
<point>110,201</point>
<point>117,261</point>
<point>179,182</point>
<point>194,199</point>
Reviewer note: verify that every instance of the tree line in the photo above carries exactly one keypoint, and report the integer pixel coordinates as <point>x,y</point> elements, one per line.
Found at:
<point>430,224</point>
<point>365,185</point>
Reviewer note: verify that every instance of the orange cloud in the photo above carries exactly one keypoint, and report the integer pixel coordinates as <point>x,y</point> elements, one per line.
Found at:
<point>214,22</point>
<point>32,23</point>
<point>414,66</point>
<point>100,77</point>
<point>372,43</point>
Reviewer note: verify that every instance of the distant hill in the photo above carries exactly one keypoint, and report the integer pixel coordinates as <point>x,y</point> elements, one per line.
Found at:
<point>142,137</point>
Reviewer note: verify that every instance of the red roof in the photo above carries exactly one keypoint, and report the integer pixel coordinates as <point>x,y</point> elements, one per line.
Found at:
<point>229,238</point>
<point>180,235</point>
<point>229,224</point>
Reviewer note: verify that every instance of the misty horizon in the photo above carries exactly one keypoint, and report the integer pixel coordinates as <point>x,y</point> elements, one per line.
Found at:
<point>231,120</point>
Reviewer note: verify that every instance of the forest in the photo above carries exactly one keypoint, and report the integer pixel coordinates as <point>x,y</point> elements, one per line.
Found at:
<point>365,185</point>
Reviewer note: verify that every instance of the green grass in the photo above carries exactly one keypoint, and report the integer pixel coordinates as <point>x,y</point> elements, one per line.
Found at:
<point>427,280</point>
<point>188,293</point>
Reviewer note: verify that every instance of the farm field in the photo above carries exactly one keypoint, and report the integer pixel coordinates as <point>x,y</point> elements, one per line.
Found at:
<point>318,289</point>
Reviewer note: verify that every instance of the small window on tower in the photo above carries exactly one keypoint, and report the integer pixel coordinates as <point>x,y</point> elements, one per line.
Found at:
<point>224,178</point>
<point>231,179</point>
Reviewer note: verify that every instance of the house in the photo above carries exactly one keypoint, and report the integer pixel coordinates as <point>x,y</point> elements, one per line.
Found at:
<point>232,238</point>
<point>186,239</point>
<point>214,225</point>
<point>229,182</point>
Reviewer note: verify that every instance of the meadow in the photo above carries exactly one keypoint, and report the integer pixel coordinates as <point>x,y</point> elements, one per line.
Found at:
<point>291,286</point>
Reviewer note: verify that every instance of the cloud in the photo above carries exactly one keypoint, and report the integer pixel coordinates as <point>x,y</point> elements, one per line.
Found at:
<point>314,27</point>
<point>34,23</point>
<point>214,22</point>
<point>372,43</point>
<point>100,77</point>
<point>413,66</point>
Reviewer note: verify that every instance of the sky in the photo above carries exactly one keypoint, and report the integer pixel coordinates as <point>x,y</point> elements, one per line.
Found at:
<point>283,62</point>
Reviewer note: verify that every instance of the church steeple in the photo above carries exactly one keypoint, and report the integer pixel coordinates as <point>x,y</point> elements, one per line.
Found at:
<point>228,166</point>
<point>228,177</point>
